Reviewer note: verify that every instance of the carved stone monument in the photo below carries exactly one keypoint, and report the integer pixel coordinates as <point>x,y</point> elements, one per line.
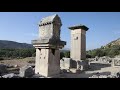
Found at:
<point>78,42</point>
<point>78,47</point>
<point>47,46</point>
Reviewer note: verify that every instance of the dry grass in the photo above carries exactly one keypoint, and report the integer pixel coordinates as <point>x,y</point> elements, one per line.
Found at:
<point>19,62</point>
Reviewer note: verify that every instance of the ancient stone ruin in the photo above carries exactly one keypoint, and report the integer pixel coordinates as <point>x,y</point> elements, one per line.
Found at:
<point>47,46</point>
<point>48,64</point>
<point>77,61</point>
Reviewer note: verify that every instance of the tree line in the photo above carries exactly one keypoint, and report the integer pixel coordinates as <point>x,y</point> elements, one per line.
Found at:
<point>111,51</point>
<point>16,53</point>
<point>23,53</point>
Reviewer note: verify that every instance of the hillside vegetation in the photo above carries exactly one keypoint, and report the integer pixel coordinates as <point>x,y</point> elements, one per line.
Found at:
<point>111,49</point>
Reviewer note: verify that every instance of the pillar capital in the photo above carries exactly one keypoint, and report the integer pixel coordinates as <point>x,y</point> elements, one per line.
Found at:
<point>83,27</point>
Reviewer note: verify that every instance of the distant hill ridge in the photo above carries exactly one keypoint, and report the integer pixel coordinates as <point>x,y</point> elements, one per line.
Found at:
<point>115,42</point>
<point>13,44</point>
<point>17,45</point>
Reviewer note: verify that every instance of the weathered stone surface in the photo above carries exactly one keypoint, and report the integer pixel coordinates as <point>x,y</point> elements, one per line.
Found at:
<point>83,65</point>
<point>65,63</point>
<point>3,69</point>
<point>11,75</point>
<point>105,59</point>
<point>78,42</point>
<point>47,46</point>
<point>116,62</point>
<point>49,27</point>
<point>26,71</point>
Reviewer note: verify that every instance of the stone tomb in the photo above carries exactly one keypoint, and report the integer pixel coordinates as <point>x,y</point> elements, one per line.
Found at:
<point>47,46</point>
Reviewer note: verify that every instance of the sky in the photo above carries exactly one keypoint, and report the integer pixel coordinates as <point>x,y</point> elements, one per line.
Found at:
<point>104,27</point>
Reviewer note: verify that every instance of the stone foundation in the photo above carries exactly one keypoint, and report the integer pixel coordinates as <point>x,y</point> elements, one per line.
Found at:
<point>74,66</point>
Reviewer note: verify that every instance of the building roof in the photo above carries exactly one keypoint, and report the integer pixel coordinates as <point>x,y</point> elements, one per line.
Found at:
<point>79,27</point>
<point>48,20</point>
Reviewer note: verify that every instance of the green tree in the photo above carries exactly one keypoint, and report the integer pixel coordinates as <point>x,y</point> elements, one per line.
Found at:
<point>61,55</point>
<point>67,54</point>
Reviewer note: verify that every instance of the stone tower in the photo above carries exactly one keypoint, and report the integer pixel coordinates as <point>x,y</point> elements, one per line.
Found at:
<point>47,46</point>
<point>78,48</point>
<point>78,42</point>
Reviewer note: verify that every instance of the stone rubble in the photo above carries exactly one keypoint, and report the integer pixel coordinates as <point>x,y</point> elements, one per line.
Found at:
<point>26,71</point>
<point>11,75</point>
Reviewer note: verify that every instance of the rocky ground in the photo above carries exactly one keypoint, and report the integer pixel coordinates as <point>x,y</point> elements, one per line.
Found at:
<point>97,70</point>
<point>24,68</point>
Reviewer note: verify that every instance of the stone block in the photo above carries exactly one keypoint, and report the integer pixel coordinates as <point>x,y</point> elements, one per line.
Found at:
<point>65,63</point>
<point>26,71</point>
<point>116,62</point>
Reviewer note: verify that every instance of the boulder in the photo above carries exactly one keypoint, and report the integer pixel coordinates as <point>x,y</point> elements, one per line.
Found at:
<point>26,71</point>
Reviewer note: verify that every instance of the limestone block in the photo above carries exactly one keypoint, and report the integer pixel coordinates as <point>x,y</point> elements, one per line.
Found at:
<point>26,71</point>
<point>65,63</point>
<point>116,62</point>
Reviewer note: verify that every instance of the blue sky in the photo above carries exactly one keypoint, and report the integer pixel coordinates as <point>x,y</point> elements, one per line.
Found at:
<point>23,26</point>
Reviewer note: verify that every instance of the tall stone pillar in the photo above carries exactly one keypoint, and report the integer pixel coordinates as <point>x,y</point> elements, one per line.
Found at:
<point>47,46</point>
<point>78,43</point>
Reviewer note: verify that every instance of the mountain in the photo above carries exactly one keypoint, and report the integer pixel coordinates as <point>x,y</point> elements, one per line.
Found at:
<point>13,44</point>
<point>113,43</point>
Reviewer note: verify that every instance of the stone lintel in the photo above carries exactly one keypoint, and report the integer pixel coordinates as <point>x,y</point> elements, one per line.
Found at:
<point>40,44</point>
<point>48,47</point>
<point>51,42</point>
<point>79,27</point>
